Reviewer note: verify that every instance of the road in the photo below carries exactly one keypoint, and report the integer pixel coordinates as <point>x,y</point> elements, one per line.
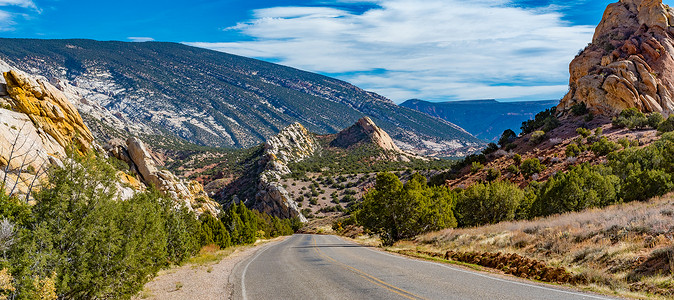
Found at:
<point>328,267</point>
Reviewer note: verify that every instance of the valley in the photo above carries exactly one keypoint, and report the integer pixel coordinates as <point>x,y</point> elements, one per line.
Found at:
<point>124,166</point>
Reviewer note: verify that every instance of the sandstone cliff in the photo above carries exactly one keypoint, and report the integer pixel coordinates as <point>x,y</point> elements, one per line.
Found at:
<point>292,144</point>
<point>630,62</point>
<point>137,156</point>
<point>37,124</point>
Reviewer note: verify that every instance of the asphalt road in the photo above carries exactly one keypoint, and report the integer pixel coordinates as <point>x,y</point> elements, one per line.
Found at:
<point>328,267</point>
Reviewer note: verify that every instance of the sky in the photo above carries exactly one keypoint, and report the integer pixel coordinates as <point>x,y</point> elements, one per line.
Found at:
<point>437,50</point>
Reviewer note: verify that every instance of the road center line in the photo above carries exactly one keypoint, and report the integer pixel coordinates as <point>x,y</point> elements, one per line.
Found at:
<point>369,277</point>
<point>483,275</point>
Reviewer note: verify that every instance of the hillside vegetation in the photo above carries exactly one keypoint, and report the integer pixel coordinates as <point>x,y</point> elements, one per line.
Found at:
<point>213,98</point>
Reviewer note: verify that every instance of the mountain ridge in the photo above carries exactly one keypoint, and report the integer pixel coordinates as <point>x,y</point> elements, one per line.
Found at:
<point>495,116</point>
<point>218,99</point>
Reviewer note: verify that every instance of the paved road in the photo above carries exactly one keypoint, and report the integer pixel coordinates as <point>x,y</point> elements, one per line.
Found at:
<point>327,267</point>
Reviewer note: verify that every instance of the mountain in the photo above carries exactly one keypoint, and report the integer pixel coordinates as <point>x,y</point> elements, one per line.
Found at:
<point>213,98</point>
<point>629,63</point>
<point>486,119</point>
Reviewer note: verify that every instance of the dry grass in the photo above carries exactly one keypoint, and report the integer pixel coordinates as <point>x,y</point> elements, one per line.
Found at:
<point>623,249</point>
<point>211,254</point>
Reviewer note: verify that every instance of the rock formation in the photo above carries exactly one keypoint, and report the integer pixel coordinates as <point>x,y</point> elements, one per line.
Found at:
<point>137,156</point>
<point>37,124</point>
<point>630,62</point>
<point>366,131</point>
<point>292,144</point>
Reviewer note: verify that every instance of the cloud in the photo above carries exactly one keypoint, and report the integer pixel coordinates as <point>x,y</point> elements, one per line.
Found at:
<point>20,3</point>
<point>140,39</point>
<point>10,12</point>
<point>435,49</point>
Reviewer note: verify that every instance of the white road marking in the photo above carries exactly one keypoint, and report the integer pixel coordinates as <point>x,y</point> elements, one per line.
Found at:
<point>245,269</point>
<point>483,275</point>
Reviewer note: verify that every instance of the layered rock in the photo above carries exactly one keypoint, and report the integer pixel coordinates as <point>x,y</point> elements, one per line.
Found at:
<point>140,161</point>
<point>37,124</point>
<point>630,63</point>
<point>292,144</point>
<point>365,131</point>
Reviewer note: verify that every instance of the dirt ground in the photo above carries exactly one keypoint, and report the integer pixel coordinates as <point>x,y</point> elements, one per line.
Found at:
<point>203,281</point>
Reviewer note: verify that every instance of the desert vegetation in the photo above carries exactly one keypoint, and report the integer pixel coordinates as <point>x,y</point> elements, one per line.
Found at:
<point>80,241</point>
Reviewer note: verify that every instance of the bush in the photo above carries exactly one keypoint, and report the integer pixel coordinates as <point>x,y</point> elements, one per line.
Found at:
<point>537,137</point>
<point>396,211</point>
<point>517,159</point>
<point>476,167</point>
<point>572,150</point>
<point>488,203</point>
<point>584,132</point>
<point>579,109</point>
<point>646,184</point>
<point>580,188</point>
<point>493,174</point>
<point>531,166</point>
<point>507,137</point>
<point>545,119</point>
<point>513,169</point>
<point>604,147</point>
<point>491,148</point>
<point>631,118</point>
<point>667,125</point>
<point>655,119</point>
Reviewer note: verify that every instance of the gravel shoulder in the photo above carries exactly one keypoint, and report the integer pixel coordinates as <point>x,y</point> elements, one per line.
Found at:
<point>203,281</point>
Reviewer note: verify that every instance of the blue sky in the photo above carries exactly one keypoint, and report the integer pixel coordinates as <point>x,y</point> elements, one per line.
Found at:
<point>429,49</point>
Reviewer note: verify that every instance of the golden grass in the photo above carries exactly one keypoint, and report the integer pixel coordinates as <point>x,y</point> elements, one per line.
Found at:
<point>625,250</point>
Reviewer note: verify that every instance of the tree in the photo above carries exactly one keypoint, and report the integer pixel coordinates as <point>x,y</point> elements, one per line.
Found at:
<point>580,188</point>
<point>507,137</point>
<point>488,203</point>
<point>396,212</point>
<point>531,166</point>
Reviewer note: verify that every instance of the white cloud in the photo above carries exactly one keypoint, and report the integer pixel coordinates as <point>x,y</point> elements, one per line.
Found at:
<point>140,39</point>
<point>20,3</point>
<point>7,22</point>
<point>433,49</point>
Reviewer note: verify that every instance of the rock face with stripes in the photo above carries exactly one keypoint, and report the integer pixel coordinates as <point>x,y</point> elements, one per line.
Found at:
<point>37,124</point>
<point>630,62</point>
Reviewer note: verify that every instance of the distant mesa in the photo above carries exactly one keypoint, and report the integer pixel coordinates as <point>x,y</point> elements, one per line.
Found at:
<point>629,63</point>
<point>485,119</point>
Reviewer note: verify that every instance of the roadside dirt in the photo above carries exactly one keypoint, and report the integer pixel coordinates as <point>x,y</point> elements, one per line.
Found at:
<point>202,281</point>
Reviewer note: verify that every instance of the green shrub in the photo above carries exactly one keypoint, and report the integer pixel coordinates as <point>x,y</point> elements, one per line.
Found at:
<point>537,137</point>
<point>667,125</point>
<point>493,174</point>
<point>507,137</point>
<point>517,159</point>
<point>572,150</point>
<point>531,166</point>
<point>604,147</point>
<point>584,132</point>
<point>580,188</point>
<point>545,119</point>
<point>476,167</point>
<point>488,203</point>
<point>646,184</point>
<point>655,119</point>
<point>513,169</point>
<point>396,211</point>
<point>579,109</point>
<point>631,118</point>
<point>491,148</point>
<point>589,117</point>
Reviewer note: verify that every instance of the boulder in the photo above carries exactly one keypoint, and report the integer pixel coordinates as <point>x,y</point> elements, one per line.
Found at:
<point>630,62</point>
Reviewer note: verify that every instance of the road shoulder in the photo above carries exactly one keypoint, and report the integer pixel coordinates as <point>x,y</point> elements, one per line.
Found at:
<point>199,280</point>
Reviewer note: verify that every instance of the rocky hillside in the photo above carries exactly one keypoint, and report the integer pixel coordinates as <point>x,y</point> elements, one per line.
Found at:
<point>629,63</point>
<point>494,117</point>
<point>213,98</point>
<point>38,125</point>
